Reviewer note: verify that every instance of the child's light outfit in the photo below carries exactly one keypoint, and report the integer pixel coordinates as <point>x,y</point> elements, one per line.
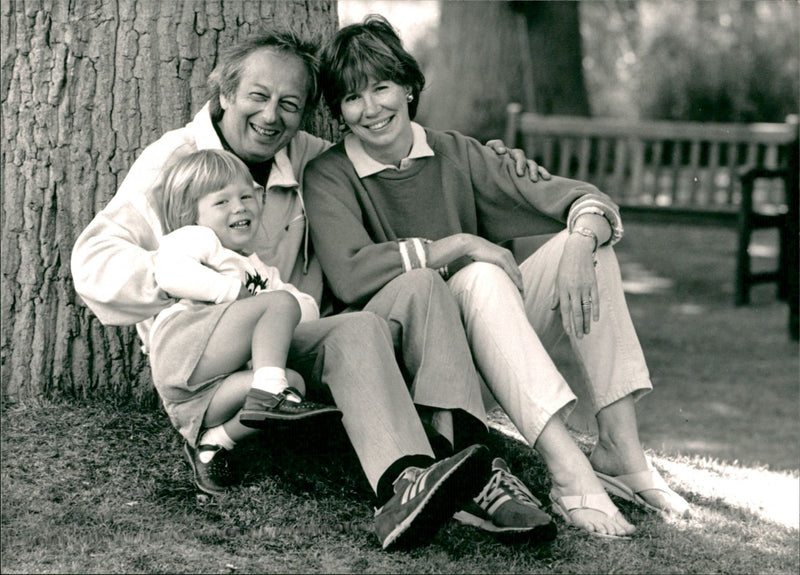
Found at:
<point>192,266</point>
<point>371,222</point>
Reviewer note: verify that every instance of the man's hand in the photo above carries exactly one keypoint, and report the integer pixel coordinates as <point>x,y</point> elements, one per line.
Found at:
<point>522,164</point>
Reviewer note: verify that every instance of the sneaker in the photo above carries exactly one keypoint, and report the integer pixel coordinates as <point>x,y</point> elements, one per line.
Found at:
<point>425,499</point>
<point>508,509</point>
<point>261,408</point>
<point>214,476</point>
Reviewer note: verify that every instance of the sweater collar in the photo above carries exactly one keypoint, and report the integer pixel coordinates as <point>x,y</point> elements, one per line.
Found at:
<point>365,165</point>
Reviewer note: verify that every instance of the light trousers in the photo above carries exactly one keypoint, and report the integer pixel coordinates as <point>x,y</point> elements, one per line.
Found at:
<point>511,336</point>
<point>410,330</point>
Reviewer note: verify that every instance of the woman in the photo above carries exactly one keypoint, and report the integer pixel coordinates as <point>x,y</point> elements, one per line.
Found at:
<point>394,197</point>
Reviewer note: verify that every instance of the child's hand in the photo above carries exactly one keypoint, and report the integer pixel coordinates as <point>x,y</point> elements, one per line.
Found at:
<point>243,293</point>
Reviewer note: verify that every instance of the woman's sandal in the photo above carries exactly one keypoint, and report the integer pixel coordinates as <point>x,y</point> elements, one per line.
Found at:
<point>564,505</point>
<point>629,486</point>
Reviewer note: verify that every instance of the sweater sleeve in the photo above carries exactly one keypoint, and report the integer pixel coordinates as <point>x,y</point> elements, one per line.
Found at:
<point>511,206</point>
<point>355,266</point>
<point>182,266</point>
<point>112,259</point>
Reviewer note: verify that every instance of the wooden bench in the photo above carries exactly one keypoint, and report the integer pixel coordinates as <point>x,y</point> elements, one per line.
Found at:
<point>739,175</point>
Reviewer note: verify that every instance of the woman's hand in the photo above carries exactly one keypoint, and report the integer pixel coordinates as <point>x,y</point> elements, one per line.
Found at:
<point>482,250</point>
<point>576,286</point>
<point>522,164</point>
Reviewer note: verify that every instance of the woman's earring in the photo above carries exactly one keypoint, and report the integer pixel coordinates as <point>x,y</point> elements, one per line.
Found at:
<point>410,98</point>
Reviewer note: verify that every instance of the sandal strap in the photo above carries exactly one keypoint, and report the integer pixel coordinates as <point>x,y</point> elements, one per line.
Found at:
<point>644,480</point>
<point>595,501</point>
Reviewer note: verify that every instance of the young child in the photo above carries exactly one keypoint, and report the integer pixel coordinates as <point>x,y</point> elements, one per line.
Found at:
<point>230,309</point>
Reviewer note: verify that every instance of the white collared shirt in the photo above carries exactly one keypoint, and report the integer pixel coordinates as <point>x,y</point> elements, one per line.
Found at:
<point>365,165</point>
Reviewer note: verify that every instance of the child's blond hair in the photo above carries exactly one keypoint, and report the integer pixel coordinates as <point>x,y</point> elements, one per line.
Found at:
<point>194,176</point>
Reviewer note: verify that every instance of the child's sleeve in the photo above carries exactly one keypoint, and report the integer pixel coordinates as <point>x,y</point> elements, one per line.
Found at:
<point>182,266</point>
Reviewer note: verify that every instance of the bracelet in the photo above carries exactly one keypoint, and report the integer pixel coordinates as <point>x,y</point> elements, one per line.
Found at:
<point>586,232</point>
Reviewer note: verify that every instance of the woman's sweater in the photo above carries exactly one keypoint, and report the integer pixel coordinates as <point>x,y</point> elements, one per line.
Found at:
<point>367,231</point>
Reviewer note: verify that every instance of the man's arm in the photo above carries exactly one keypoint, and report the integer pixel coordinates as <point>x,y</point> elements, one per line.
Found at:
<point>112,260</point>
<point>112,266</point>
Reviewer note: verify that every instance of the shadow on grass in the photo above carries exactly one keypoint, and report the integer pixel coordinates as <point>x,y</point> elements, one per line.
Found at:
<point>95,488</point>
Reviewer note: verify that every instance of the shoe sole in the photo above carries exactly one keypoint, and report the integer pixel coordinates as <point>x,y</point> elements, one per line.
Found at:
<point>542,533</point>
<point>194,474</point>
<point>454,490</point>
<point>259,419</point>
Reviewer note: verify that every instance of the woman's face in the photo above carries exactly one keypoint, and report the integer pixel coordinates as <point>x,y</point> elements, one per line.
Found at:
<point>378,115</point>
<point>233,213</point>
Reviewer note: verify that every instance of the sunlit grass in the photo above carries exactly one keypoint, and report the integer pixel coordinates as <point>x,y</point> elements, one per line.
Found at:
<point>772,495</point>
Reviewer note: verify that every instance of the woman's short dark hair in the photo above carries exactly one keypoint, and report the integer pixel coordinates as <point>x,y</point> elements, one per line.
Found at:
<point>226,75</point>
<point>358,51</point>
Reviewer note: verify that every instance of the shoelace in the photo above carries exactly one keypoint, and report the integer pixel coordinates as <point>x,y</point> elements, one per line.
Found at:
<point>417,480</point>
<point>409,473</point>
<point>502,482</point>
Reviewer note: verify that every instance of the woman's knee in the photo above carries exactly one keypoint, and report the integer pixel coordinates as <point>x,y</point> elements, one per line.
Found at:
<point>420,280</point>
<point>483,277</point>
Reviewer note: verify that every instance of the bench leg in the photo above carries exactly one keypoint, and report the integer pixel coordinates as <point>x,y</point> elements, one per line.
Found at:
<point>743,260</point>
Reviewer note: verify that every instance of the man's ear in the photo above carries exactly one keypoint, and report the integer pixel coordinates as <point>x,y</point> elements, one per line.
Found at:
<point>224,101</point>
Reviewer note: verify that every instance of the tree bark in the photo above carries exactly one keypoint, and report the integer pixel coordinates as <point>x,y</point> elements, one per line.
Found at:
<point>85,86</point>
<point>491,53</point>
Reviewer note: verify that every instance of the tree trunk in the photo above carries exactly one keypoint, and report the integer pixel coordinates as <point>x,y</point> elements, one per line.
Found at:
<point>85,87</point>
<point>492,53</point>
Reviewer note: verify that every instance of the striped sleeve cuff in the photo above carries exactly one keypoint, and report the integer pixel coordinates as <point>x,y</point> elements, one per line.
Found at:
<point>412,253</point>
<point>591,204</point>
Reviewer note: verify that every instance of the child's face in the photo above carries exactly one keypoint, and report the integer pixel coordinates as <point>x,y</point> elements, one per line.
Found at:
<point>233,213</point>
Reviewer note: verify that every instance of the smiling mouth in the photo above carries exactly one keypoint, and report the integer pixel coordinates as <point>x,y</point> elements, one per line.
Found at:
<point>240,225</point>
<point>264,131</point>
<point>379,125</point>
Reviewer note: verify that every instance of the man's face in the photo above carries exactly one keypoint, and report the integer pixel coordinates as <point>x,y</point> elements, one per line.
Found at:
<point>265,112</point>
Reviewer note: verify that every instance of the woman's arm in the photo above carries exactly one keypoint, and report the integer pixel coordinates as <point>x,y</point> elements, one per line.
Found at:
<point>355,266</point>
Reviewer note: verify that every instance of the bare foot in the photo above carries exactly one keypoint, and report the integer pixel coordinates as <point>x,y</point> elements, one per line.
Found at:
<point>589,508</point>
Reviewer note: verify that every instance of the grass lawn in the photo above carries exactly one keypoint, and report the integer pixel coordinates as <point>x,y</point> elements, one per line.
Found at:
<point>90,488</point>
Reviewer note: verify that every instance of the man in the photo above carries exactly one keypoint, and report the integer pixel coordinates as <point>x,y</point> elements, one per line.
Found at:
<point>260,90</point>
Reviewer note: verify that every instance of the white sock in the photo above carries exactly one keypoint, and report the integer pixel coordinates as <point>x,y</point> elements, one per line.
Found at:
<point>271,380</point>
<point>215,436</point>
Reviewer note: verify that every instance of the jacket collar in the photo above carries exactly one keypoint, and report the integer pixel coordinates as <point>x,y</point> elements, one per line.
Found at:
<point>281,175</point>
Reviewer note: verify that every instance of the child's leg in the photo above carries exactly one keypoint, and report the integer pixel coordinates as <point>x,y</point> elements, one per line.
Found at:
<point>230,397</point>
<point>260,327</point>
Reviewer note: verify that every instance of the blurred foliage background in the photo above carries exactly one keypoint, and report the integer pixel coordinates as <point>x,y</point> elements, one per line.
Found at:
<point>722,61</point>
<point>692,60</point>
